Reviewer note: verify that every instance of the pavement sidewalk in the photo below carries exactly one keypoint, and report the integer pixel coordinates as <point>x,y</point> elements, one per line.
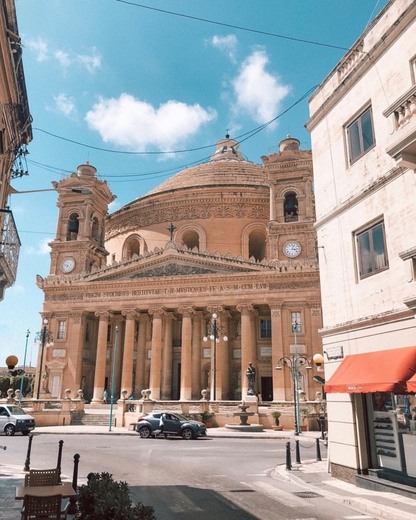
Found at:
<point>312,475</point>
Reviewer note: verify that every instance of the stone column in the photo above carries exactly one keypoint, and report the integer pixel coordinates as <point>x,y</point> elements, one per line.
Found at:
<point>197,336</point>
<point>272,215</point>
<point>117,324</point>
<point>186,354</point>
<point>127,366</point>
<point>141,353</point>
<point>223,358</point>
<point>246,347</point>
<point>76,334</point>
<point>166,392</point>
<point>277,350</point>
<point>100,360</point>
<point>156,359</point>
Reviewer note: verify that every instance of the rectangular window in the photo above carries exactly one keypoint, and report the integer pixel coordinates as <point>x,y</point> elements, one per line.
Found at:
<point>61,329</point>
<point>265,328</point>
<point>371,250</point>
<point>360,135</point>
<point>413,69</point>
<point>296,322</point>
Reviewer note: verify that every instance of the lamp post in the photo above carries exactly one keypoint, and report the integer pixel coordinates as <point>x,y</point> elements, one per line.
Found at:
<point>214,333</point>
<point>113,376</point>
<point>294,363</point>
<point>24,368</point>
<point>46,339</point>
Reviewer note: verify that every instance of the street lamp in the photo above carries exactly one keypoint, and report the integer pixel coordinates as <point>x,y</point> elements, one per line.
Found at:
<point>214,333</point>
<point>46,339</point>
<point>24,368</point>
<point>294,363</point>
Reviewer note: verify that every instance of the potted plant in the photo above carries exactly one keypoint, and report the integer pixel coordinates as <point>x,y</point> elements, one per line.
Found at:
<point>304,412</point>
<point>276,416</point>
<point>208,418</point>
<point>105,498</point>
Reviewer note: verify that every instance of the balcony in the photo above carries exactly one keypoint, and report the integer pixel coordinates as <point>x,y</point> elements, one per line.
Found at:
<point>402,115</point>
<point>9,250</point>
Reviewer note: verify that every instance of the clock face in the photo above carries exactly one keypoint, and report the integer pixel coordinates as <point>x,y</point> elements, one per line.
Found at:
<point>68,265</point>
<point>292,249</point>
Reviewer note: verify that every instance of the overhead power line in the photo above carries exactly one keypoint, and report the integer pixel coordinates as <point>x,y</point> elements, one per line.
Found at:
<point>231,26</point>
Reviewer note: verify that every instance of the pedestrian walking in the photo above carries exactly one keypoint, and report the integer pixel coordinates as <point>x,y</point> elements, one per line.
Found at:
<point>105,396</point>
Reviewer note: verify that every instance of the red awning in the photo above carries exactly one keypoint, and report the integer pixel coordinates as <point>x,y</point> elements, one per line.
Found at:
<point>381,371</point>
<point>411,384</point>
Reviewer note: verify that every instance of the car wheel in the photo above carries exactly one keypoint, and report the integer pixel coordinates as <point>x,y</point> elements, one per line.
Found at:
<point>145,432</point>
<point>9,430</point>
<point>187,434</point>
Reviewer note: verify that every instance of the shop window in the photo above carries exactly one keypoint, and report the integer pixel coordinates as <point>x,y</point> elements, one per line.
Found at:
<point>360,135</point>
<point>265,328</point>
<point>73,227</point>
<point>291,207</point>
<point>257,245</point>
<point>61,329</point>
<point>371,250</point>
<point>190,239</point>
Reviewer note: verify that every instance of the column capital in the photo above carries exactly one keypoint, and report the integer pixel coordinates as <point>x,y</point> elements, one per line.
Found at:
<point>247,309</point>
<point>186,310</point>
<point>102,314</point>
<point>157,312</point>
<point>215,308</point>
<point>130,313</point>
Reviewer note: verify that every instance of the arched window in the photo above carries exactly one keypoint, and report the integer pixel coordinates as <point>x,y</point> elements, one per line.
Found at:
<point>95,231</point>
<point>190,239</point>
<point>73,227</point>
<point>257,245</point>
<point>291,207</point>
<point>131,248</point>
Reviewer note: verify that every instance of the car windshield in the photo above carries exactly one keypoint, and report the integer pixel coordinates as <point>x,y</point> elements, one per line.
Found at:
<point>16,410</point>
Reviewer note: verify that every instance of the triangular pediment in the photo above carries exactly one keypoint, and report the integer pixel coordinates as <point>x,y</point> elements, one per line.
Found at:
<point>174,262</point>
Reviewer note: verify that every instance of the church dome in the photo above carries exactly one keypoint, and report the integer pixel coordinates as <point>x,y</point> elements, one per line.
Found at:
<point>226,167</point>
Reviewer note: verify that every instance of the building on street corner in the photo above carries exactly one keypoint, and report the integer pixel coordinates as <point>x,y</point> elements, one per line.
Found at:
<point>363,130</point>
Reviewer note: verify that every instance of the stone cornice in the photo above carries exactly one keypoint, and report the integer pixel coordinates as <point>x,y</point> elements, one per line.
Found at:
<point>224,205</point>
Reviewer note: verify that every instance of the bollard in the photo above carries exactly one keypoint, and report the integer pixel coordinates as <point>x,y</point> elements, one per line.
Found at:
<point>297,452</point>
<point>72,509</point>
<point>318,450</point>
<point>288,457</point>
<point>58,464</point>
<point>321,421</point>
<point>29,449</point>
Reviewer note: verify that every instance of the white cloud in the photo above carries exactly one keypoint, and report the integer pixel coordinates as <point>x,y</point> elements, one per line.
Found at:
<point>63,58</point>
<point>258,92</point>
<point>227,44</point>
<point>65,104</point>
<point>91,62</point>
<point>42,248</point>
<point>39,47</point>
<point>137,125</point>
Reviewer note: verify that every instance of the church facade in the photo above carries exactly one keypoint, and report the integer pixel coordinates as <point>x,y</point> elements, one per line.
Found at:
<point>131,296</point>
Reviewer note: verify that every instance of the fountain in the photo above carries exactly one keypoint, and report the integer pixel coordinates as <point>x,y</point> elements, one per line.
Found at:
<point>244,426</point>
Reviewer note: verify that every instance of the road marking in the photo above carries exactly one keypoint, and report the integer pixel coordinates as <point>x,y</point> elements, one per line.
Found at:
<point>288,499</point>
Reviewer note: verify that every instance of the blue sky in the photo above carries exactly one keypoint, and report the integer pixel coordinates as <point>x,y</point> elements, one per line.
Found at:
<point>106,78</point>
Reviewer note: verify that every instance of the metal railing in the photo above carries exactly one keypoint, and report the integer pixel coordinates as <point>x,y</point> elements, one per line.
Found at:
<point>9,248</point>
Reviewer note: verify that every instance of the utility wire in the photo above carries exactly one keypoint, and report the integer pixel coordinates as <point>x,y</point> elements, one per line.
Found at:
<point>231,26</point>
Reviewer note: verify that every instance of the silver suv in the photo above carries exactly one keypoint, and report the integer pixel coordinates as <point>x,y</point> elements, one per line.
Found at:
<point>14,419</point>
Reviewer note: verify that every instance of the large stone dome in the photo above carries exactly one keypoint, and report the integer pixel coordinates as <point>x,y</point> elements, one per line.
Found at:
<point>227,167</point>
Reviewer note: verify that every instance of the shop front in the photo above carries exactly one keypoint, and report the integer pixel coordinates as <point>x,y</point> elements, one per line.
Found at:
<point>383,385</point>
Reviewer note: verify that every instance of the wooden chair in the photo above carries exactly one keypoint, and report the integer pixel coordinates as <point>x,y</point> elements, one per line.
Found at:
<point>43,508</point>
<point>42,477</point>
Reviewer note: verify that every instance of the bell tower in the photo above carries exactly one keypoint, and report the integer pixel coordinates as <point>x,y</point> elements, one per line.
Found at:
<point>291,233</point>
<point>83,202</point>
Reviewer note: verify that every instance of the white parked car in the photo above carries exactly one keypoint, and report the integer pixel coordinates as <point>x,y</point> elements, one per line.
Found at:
<point>14,419</point>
